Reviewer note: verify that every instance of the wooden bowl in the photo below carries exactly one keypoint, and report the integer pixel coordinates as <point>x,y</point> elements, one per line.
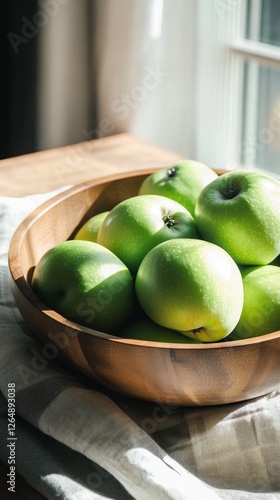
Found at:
<point>181,374</point>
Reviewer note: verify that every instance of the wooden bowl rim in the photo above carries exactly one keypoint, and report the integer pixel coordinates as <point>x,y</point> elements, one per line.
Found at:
<point>24,287</point>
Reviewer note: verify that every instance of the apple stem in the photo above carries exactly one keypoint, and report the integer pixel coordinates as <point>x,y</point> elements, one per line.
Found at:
<point>171,172</point>
<point>168,220</point>
<point>231,193</point>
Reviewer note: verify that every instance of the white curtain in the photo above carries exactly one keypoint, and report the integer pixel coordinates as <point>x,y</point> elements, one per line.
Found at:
<point>161,70</point>
<point>64,90</point>
<point>143,61</point>
<point>166,73</point>
<point>110,66</point>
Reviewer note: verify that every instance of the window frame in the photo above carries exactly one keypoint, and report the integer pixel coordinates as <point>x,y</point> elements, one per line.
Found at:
<point>226,116</point>
<point>257,54</point>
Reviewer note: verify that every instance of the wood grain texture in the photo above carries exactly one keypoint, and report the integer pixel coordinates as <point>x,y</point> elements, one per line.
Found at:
<point>47,170</point>
<point>181,374</point>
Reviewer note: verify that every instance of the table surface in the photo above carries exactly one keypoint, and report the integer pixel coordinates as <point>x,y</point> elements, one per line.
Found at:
<point>47,170</point>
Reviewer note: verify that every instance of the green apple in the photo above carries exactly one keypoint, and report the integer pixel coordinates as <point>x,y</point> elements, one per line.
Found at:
<point>90,228</point>
<point>240,211</point>
<point>261,309</point>
<point>146,329</point>
<point>191,286</point>
<point>85,283</point>
<point>182,182</point>
<point>137,224</point>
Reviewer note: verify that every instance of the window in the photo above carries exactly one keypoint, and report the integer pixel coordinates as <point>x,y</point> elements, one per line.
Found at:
<point>238,84</point>
<point>260,48</point>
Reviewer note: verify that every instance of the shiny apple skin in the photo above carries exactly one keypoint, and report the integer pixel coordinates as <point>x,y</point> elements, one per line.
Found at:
<point>138,224</point>
<point>240,211</point>
<point>85,283</point>
<point>181,182</point>
<point>191,286</point>
<point>90,228</point>
<point>261,308</point>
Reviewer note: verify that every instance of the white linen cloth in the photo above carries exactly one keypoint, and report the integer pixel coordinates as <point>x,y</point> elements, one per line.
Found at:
<point>78,441</point>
